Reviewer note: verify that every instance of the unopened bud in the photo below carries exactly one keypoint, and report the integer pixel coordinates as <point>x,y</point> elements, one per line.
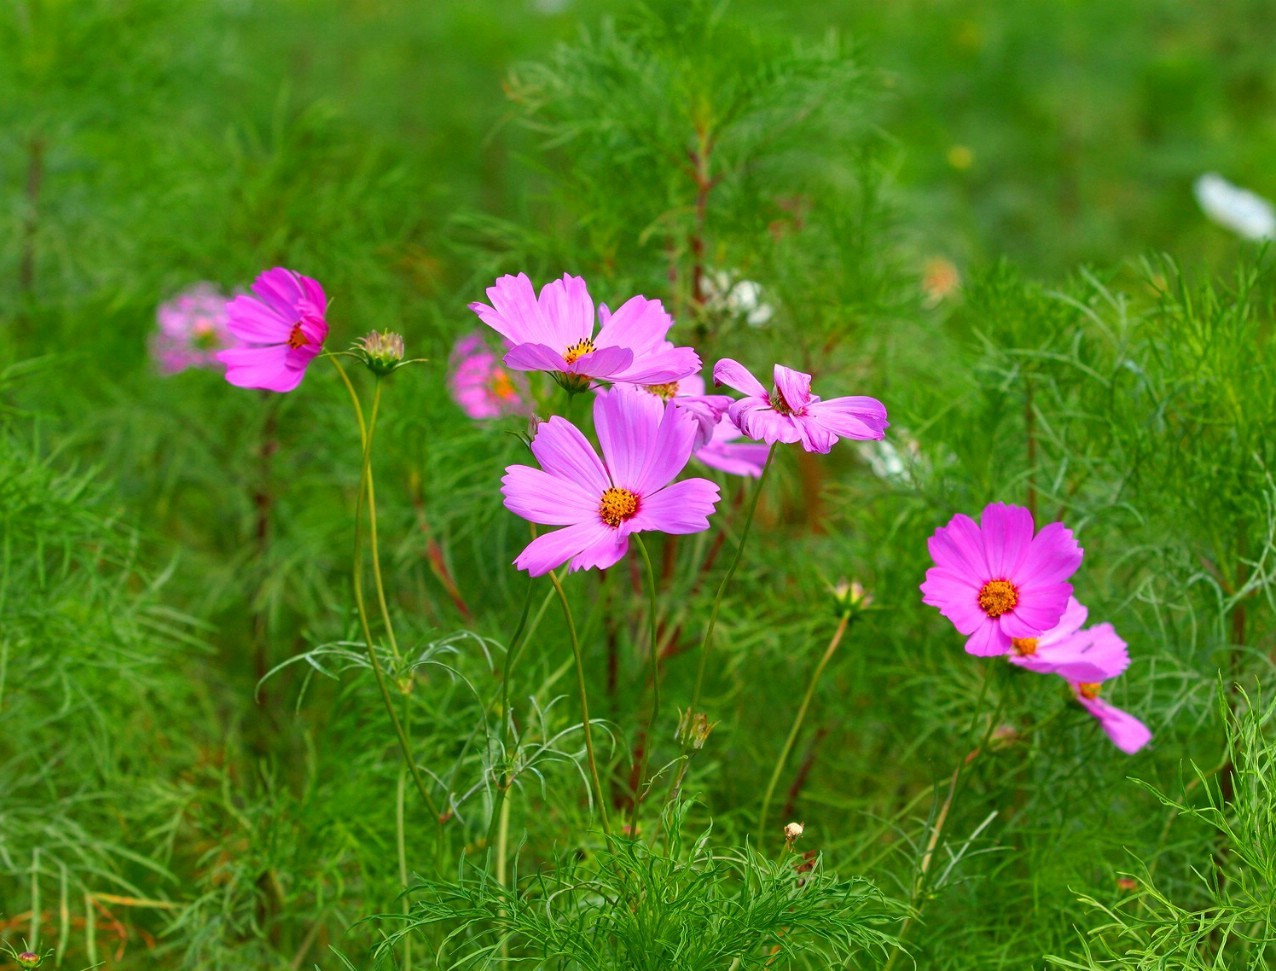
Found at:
<point>382,353</point>
<point>29,959</point>
<point>792,831</point>
<point>1003,737</point>
<point>850,598</point>
<point>693,729</point>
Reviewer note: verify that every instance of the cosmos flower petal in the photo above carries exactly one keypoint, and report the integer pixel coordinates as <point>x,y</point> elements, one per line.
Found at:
<point>733,458</point>
<point>605,551</point>
<point>554,549</point>
<point>546,499</point>
<point>280,289</point>
<point>959,547</point>
<point>252,321</point>
<point>684,507</point>
<point>988,641</point>
<point>1127,732</point>
<point>1053,555</point>
<point>638,323</point>
<point>956,597</point>
<point>563,451</point>
<point>567,311</point>
<point>794,386</point>
<point>660,366</point>
<point>534,357</point>
<point>606,362</point>
<point>855,417</point>
<point>514,313</point>
<point>261,367</point>
<point>814,438</point>
<point>1089,656</point>
<point>627,422</point>
<point>735,375</point>
<point>760,422</point>
<point>1007,537</point>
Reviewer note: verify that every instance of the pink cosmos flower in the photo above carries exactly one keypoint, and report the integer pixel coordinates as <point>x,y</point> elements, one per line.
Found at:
<point>480,385</point>
<point>997,581</point>
<point>645,443</point>
<point>555,332</point>
<point>192,329</point>
<point>281,327</point>
<point>790,413</point>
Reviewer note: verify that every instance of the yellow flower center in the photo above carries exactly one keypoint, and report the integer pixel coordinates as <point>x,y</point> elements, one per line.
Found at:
<point>1089,689</point>
<point>997,597</point>
<point>1024,646</point>
<point>617,505</point>
<point>579,349</point>
<point>297,338</point>
<point>662,391</point>
<point>501,386</point>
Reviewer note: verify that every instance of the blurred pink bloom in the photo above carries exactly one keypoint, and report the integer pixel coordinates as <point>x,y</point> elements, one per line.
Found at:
<point>555,332</point>
<point>192,329</point>
<point>480,385</point>
<point>790,413</point>
<point>281,329</point>
<point>997,581</point>
<point>645,443</point>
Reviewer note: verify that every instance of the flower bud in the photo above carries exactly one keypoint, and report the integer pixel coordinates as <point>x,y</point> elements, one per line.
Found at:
<point>29,959</point>
<point>850,598</point>
<point>792,831</point>
<point>382,353</point>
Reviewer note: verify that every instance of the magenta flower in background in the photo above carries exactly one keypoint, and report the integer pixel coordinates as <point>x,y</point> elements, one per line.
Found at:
<point>555,332</point>
<point>281,329</point>
<point>599,503</point>
<point>1093,654</point>
<point>192,329</point>
<point>1127,732</point>
<point>480,385</point>
<point>997,581</point>
<point>790,413</point>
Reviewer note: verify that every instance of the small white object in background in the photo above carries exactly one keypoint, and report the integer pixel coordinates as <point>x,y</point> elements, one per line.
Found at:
<point>738,298</point>
<point>1247,214</point>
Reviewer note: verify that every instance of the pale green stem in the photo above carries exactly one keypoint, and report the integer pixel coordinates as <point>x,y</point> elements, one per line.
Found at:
<point>707,643</point>
<point>584,703</point>
<point>366,434</point>
<point>648,739</point>
<point>797,723</point>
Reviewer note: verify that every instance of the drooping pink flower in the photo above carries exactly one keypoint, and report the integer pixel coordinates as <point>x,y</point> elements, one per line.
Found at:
<point>790,413</point>
<point>281,328</point>
<point>192,329</point>
<point>600,502</point>
<point>1127,732</point>
<point>555,332</point>
<point>1093,654</point>
<point>480,385</point>
<point>997,581</point>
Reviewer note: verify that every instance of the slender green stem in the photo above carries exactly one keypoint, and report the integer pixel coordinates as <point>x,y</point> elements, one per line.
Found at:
<point>366,431</point>
<point>707,643</point>
<point>797,722</point>
<point>584,703</point>
<point>511,655</point>
<point>372,529</point>
<point>648,738</point>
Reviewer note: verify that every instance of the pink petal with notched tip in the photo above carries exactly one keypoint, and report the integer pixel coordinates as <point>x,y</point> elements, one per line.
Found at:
<point>683,507</point>
<point>735,375</point>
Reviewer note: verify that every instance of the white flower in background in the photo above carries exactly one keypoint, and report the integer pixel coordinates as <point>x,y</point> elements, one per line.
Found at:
<point>1248,215</point>
<point>896,464</point>
<point>736,298</point>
